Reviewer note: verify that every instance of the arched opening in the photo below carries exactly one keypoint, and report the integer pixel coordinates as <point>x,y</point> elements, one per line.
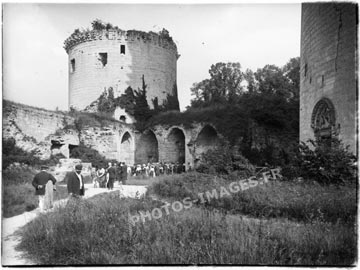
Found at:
<point>127,149</point>
<point>176,146</point>
<point>122,118</point>
<point>147,149</point>
<point>323,121</point>
<point>207,139</point>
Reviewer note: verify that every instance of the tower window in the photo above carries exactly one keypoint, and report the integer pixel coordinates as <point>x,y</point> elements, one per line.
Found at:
<point>103,58</point>
<point>122,49</point>
<point>72,65</point>
<point>306,69</point>
<point>123,118</point>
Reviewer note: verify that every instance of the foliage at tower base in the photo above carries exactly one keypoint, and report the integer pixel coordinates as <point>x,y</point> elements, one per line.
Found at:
<point>256,111</point>
<point>135,104</point>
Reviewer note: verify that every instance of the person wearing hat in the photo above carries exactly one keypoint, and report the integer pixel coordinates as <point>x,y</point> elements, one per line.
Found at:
<point>39,183</point>
<point>75,182</point>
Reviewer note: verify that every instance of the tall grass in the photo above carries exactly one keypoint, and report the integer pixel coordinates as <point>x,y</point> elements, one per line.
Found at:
<point>295,201</point>
<point>18,193</point>
<point>97,232</point>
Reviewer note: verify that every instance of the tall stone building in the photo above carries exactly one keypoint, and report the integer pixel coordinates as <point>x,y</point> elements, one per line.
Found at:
<point>99,59</point>
<point>328,79</point>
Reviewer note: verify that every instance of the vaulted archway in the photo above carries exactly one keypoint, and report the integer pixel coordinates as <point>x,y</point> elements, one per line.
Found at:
<point>175,146</point>
<point>126,153</point>
<point>207,139</point>
<point>147,149</point>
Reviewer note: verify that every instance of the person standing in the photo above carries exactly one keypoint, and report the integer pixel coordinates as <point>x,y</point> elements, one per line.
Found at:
<point>110,176</point>
<point>39,183</point>
<point>124,173</point>
<point>75,182</point>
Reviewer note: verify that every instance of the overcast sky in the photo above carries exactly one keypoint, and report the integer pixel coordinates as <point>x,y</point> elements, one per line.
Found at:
<point>35,63</point>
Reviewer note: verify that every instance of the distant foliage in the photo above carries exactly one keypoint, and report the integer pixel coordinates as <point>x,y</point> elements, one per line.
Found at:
<point>87,154</point>
<point>222,160</point>
<point>326,163</point>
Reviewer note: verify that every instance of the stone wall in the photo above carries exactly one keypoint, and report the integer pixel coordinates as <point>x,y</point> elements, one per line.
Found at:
<point>31,126</point>
<point>329,68</point>
<point>143,54</point>
<point>53,132</point>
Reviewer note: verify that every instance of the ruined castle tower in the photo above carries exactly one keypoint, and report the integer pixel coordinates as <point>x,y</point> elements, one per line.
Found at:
<point>328,73</point>
<point>99,59</point>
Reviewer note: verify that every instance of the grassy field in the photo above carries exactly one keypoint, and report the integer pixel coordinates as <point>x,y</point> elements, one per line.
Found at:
<point>275,199</point>
<point>18,193</point>
<point>98,231</point>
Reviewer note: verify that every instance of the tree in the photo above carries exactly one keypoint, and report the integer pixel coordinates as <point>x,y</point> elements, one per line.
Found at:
<point>224,86</point>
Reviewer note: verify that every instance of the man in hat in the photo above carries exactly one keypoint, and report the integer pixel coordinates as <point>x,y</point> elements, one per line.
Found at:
<point>75,182</point>
<point>39,183</point>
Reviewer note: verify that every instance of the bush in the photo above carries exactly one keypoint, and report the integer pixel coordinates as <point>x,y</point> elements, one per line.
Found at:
<point>222,160</point>
<point>326,163</point>
<point>12,153</point>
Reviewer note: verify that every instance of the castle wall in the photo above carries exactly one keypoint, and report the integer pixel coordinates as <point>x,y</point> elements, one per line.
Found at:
<point>148,56</point>
<point>329,66</point>
<point>30,126</point>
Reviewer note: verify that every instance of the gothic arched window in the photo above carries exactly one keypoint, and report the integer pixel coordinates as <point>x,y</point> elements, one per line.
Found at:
<point>323,120</point>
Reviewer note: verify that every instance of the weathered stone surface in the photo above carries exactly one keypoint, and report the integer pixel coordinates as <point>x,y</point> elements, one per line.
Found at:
<point>328,66</point>
<point>150,56</point>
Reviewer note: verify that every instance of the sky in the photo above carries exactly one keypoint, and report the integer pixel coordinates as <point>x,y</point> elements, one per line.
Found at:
<point>35,68</point>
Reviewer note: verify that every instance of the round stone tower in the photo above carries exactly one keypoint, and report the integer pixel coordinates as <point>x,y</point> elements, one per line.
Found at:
<point>99,59</point>
<point>328,73</point>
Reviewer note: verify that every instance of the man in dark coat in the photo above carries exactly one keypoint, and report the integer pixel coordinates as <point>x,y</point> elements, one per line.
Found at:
<point>111,176</point>
<point>39,183</point>
<point>75,182</point>
<point>124,173</point>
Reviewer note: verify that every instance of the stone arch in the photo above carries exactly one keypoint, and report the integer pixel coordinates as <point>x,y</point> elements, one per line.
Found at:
<point>147,149</point>
<point>206,139</point>
<point>323,119</point>
<point>175,146</point>
<point>126,151</point>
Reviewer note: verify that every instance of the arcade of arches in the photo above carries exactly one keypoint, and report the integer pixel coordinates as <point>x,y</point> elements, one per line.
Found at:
<point>174,145</point>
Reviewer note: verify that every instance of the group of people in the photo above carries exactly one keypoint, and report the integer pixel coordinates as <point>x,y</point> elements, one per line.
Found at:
<point>156,169</point>
<point>105,178</point>
<point>74,180</point>
<point>101,177</point>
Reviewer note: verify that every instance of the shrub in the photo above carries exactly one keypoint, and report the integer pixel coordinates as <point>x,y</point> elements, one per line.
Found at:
<point>326,163</point>
<point>12,153</point>
<point>223,160</point>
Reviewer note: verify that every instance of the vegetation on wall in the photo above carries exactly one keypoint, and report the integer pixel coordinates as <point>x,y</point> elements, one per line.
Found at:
<point>14,154</point>
<point>88,154</point>
<point>98,25</point>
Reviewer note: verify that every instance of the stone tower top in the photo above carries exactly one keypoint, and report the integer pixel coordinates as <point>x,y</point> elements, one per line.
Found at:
<point>161,39</point>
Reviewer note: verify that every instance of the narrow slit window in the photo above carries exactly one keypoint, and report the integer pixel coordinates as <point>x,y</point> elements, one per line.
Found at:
<point>103,58</point>
<point>122,49</point>
<point>72,65</point>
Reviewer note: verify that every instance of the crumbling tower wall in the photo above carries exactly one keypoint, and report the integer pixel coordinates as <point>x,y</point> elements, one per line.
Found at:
<point>328,72</point>
<point>99,59</point>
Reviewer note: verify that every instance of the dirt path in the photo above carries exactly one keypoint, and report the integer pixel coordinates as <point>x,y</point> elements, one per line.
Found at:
<point>12,257</point>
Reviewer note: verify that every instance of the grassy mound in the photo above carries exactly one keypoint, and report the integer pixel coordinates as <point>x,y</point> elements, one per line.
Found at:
<point>98,232</point>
